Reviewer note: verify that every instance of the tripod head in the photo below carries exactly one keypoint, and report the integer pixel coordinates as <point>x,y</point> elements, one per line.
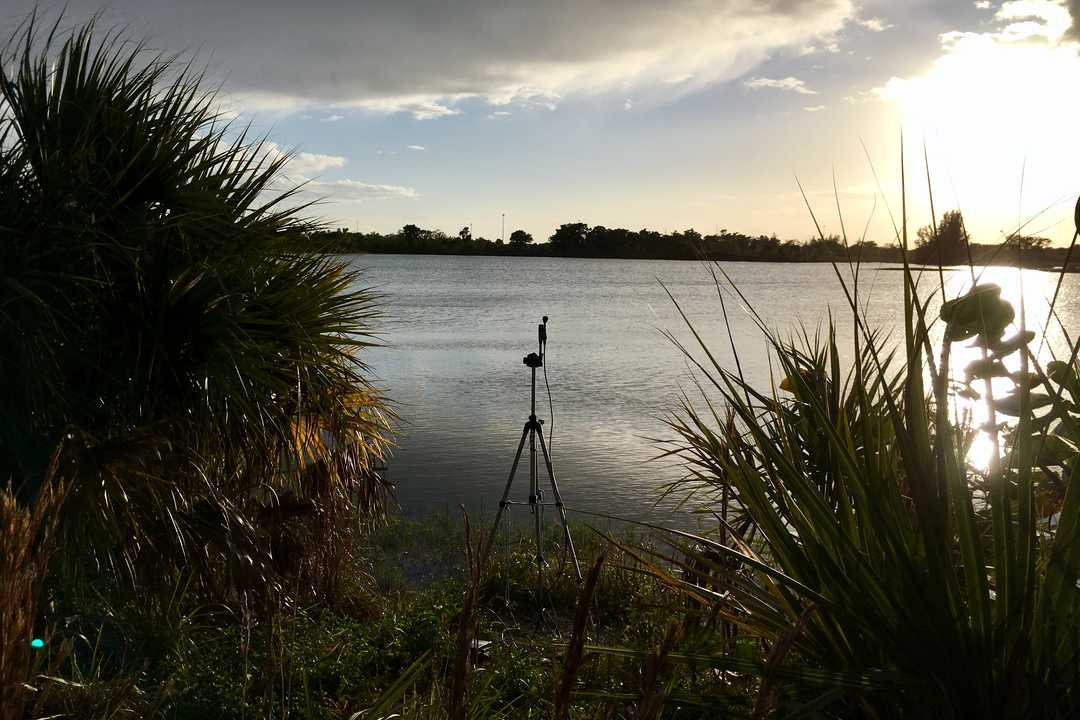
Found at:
<point>535,360</point>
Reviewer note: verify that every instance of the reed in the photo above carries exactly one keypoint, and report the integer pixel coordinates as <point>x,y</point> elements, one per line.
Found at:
<point>461,678</point>
<point>574,649</point>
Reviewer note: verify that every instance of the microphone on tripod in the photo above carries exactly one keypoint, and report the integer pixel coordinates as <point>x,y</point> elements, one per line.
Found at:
<point>541,331</point>
<point>533,432</point>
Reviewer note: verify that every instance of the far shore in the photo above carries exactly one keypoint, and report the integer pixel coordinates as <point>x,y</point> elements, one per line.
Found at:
<point>1052,265</point>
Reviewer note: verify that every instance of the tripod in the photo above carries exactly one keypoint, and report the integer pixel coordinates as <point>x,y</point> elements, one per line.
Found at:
<point>534,431</point>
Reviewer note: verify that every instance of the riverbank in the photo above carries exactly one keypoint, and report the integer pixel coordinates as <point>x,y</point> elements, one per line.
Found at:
<point>386,640</point>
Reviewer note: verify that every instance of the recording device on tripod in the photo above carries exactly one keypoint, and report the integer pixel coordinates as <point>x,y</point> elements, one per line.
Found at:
<point>534,432</point>
<point>535,360</point>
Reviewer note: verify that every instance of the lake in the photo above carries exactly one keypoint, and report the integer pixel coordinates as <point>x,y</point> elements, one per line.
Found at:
<point>457,327</point>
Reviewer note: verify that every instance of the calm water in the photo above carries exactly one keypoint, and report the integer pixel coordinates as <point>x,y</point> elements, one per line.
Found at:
<point>458,327</point>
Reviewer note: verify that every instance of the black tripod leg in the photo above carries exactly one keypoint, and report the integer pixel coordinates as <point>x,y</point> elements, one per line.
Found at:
<point>506,494</point>
<point>559,503</point>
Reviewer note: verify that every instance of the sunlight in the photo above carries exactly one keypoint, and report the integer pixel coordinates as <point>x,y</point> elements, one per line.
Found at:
<point>995,105</point>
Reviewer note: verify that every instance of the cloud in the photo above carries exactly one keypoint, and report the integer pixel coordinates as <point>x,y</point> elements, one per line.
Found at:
<point>527,97</point>
<point>414,148</point>
<point>891,90</point>
<point>424,57</point>
<point>499,114</point>
<point>628,104</point>
<point>873,24</point>
<point>421,107</point>
<point>982,4</point>
<point>333,118</point>
<point>789,83</point>
<point>814,108</point>
<point>304,165</point>
<point>308,164</point>
<point>354,190</point>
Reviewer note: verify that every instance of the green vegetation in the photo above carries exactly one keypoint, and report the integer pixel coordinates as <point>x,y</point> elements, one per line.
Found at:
<point>888,574</point>
<point>333,660</point>
<point>174,371</point>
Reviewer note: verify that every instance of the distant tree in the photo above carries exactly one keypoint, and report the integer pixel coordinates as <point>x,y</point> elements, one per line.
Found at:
<point>819,248</point>
<point>947,246</point>
<point>520,238</point>
<point>569,239</point>
<point>411,234</point>
<point>465,234</point>
<point>1027,242</point>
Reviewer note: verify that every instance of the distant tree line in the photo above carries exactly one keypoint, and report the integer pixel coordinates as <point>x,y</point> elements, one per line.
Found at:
<point>582,240</point>
<point>946,242</point>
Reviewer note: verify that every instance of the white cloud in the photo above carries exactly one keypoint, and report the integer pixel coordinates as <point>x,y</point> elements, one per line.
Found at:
<point>309,164</point>
<point>303,165</point>
<point>354,190</point>
<point>526,98</point>
<point>414,148</point>
<point>982,4</point>
<point>499,114</point>
<point>873,24</point>
<point>421,107</point>
<point>333,118</point>
<point>628,105</point>
<point>789,83</point>
<point>1025,19</point>
<point>891,90</point>
<point>814,108</point>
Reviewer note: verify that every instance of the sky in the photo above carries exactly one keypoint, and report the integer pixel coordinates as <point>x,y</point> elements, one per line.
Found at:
<point>704,114</point>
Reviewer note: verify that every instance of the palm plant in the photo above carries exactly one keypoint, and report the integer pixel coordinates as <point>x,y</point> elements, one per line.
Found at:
<point>889,575</point>
<point>162,319</point>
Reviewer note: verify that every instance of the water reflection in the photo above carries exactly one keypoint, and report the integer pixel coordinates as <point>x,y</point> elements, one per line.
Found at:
<point>458,327</point>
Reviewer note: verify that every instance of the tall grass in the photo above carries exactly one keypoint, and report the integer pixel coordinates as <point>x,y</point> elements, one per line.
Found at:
<point>26,536</point>
<point>899,579</point>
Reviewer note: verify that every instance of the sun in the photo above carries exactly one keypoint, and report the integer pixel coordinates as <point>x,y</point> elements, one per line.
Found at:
<point>996,107</point>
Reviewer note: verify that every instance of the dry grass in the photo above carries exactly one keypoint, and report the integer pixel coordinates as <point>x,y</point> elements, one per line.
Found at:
<point>26,534</point>
<point>577,641</point>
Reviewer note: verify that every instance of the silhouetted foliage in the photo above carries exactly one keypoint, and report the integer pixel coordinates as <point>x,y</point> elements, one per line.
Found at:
<point>1027,242</point>
<point>520,238</point>
<point>578,239</point>
<point>200,376</point>
<point>947,246</point>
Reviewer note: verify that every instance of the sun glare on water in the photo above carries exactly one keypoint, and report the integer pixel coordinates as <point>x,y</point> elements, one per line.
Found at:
<point>1030,293</point>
